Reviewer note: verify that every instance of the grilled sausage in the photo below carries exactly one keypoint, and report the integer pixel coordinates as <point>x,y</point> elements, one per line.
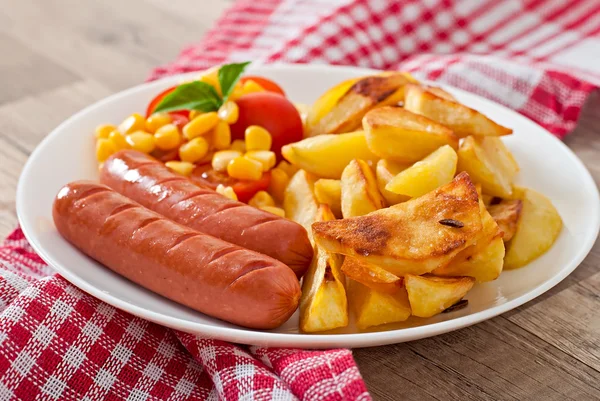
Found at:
<point>194,269</point>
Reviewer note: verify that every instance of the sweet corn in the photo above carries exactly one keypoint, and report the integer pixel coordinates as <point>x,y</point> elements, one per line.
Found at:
<point>213,80</point>
<point>104,148</point>
<point>244,169</point>
<point>229,112</point>
<point>251,86</point>
<point>118,140</point>
<point>257,138</point>
<point>194,150</point>
<point>222,136</point>
<point>222,158</point>
<point>237,92</point>
<point>278,184</point>
<point>133,123</point>
<point>287,167</point>
<point>183,168</point>
<point>264,157</point>
<point>103,130</point>
<point>167,137</point>
<point>261,198</point>
<point>155,121</point>
<point>227,192</point>
<point>238,145</point>
<point>275,210</point>
<point>200,125</point>
<point>193,114</point>
<point>140,140</point>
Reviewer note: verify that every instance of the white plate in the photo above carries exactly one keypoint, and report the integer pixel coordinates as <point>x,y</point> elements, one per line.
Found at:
<point>547,165</point>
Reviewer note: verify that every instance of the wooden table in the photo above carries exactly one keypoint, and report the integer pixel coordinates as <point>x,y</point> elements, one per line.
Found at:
<point>59,56</point>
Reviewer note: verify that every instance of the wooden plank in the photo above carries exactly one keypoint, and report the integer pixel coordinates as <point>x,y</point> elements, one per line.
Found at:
<point>13,158</point>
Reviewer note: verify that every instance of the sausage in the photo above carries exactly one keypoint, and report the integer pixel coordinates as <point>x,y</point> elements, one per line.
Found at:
<point>192,268</point>
<point>150,183</point>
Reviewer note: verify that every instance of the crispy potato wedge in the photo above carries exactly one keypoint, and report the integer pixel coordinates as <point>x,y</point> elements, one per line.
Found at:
<point>507,214</point>
<point>327,155</point>
<point>461,119</point>
<point>323,105</point>
<point>537,229</point>
<point>323,305</point>
<point>424,176</point>
<point>372,276</point>
<point>439,92</point>
<point>360,194</point>
<point>430,295</point>
<point>374,308</point>
<point>329,192</point>
<point>299,200</point>
<point>361,97</point>
<point>396,134</point>
<point>411,237</point>
<point>489,163</point>
<point>385,171</point>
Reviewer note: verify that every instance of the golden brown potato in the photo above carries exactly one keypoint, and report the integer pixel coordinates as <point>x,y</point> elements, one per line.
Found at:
<point>329,192</point>
<point>374,308</point>
<point>430,295</point>
<point>507,214</point>
<point>385,171</point>
<point>299,200</point>
<point>439,92</point>
<point>537,229</point>
<point>360,194</point>
<point>396,134</point>
<point>325,103</point>
<point>461,119</point>
<point>489,163</point>
<point>414,237</point>
<point>372,276</point>
<point>323,305</point>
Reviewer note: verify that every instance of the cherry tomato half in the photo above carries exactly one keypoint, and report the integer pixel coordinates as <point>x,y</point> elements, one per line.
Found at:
<point>157,99</point>
<point>274,113</point>
<point>266,83</point>
<point>244,190</point>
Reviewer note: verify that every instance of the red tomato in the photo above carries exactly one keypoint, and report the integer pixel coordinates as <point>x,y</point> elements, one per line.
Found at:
<point>266,83</point>
<point>244,190</point>
<point>157,99</point>
<point>274,113</point>
<point>178,120</point>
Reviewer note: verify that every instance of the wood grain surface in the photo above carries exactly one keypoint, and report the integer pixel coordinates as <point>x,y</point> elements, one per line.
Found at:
<point>59,56</point>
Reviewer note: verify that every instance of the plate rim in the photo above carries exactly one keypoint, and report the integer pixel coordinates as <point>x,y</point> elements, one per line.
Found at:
<point>249,336</point>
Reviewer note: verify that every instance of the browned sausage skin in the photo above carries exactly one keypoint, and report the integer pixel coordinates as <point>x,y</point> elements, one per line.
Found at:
<point>195,269</point>
<point>150,183</point>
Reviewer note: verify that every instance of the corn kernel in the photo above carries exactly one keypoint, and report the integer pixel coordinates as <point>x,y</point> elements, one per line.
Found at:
<point>193,114</point>
<point>194,150</point>
<point>229,112</point>
<point>133,123</point>
<point>251,86</point>
<point>140,140</point>
<point>104,148</point>
<point>222,136</point>
<point>200,125</point>
<point>261,198</point>
<point>222,158</point>
<point>183,168</point>
<point>238,145</point>
<point>288,168</point>
<point>244,169</point>
<point>257,138</point>
<point>167,137</point>
<point>213,80</point>
<point>118,140</point>
<point>155,121</point>
<point>275,210</point>
<point>264,157</point>
<point>227,192</point>
<point>237,92</point>
<point>103,130</point>
<point>278,184</point>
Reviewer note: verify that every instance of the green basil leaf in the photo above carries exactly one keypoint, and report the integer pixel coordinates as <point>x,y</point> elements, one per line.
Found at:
<point>195,95</point>
<point>229,75</point>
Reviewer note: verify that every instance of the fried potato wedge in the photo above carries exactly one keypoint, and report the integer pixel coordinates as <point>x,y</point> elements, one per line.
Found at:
<point>385,171</point>
<point>439,92</point>
<point>537,229</point>
<point>360,194</point>
<point>507,214</point>
<point>361,97</point>
<point>489,163</point>
<point>374,308</point>
<point>396,134</point>
<point>413,237</point>
<point>327,155</point>
<point>424,176</point>
<point>299,200</point>
<point>323,305</point>
<point>430,295</point>
<point>323,105</point>
<point>372,276</point>
<point>329,192</point>
<point>461,119</point>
